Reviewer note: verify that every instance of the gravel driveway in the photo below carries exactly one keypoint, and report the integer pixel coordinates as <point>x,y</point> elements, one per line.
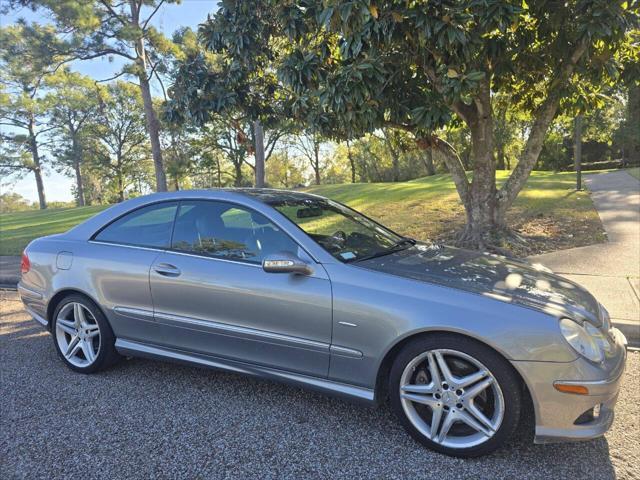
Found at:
<point>144,419</point>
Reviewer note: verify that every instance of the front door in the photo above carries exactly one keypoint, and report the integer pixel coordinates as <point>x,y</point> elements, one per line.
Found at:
<point>211,295</point>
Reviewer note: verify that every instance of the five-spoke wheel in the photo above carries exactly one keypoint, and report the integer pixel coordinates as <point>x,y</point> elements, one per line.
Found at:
<point>463,409</point>
<point>78,334</point>
<point>82,336</point>
<point>455,395</point>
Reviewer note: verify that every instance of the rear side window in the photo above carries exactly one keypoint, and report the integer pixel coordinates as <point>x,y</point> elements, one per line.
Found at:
<point>146,227</point>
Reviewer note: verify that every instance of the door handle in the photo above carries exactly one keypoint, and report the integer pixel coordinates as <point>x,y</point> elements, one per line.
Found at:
<point>167,270</point>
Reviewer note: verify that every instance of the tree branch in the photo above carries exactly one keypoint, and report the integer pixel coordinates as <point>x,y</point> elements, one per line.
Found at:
<point>117,75</point>
<point>543,118</point>
<point>113,12</point>
<point>146,22</point>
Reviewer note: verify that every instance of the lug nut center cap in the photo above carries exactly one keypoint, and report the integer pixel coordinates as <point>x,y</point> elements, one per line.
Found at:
<point>448,398</point>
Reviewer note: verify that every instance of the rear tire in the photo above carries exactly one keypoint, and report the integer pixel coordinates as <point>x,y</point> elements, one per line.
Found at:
<point>82,335</point>
<point>455,395</point>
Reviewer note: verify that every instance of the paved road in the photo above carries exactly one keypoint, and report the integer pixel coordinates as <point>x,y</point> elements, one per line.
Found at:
<point>144,419</point>
<point>611,271</point>
<point>9,270</point>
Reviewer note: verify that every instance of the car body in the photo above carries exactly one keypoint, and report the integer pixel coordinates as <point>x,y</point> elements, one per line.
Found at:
<point>307,310</point>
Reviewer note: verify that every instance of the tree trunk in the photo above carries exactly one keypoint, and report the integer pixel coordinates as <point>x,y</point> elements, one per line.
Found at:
<point>120,179</point>
<point>153,128</point>
<point>316,169</point>
<point>42,201</point>
<point>258,134</point>
<point>395,158</point>
<point>153,125</point>
<point>485,206</point>
<point>351,162</point>
<point>543,117</point>
<point>577,150</point>
<point>80,188</point>
<point>428,161</point>
<point>77,160</point>
<point>37,167</point>
<point>237,165</point>
<point>484,219</point>
<point>500,158</point>
<point>316,161</point>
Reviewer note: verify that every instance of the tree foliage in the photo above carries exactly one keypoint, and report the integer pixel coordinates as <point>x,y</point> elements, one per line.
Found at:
<point>111,28</point>
<point>120,149</point>
<point>73,100</point>
<point>350,67</point>
<point>28,51</point>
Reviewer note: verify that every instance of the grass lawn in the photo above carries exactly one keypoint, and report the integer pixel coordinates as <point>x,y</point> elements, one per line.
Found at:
<point>549,214</point>
<point>635,171</point>
<point>18,229</point>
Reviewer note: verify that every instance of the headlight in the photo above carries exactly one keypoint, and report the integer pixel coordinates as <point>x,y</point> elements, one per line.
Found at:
<point>582,339</point>
<point>598,337</point>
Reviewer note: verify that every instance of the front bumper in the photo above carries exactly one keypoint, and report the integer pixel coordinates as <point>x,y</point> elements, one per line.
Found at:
<point>564,416</point>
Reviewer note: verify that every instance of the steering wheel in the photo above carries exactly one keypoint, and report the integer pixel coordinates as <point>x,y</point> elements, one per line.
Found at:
<point>340,236</point>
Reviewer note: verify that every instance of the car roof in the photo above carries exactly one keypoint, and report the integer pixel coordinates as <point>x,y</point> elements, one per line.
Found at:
<point>252,197</point>
<point>273,195</point>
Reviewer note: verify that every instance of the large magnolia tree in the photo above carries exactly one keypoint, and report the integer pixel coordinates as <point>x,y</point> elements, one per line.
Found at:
<point>349,67</point>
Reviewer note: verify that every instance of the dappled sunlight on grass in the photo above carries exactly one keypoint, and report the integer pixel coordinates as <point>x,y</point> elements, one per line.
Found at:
<point>549,213</point>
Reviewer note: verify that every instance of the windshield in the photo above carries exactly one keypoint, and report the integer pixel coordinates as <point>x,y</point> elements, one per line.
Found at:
<point>342,232</point>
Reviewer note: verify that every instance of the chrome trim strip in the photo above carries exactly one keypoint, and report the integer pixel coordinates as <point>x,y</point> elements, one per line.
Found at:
<point>326,386</point>
<point>345,352</point>
<point>136,313</point>
<point>206,257</point>
<point>27,292</point>
<point>135,247</point>
<point>225,329</point>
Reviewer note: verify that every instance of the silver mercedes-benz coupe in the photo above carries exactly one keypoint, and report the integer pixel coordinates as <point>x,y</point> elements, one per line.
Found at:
<point>295,287</point>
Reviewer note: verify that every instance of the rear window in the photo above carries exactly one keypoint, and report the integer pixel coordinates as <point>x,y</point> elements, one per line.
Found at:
<point>146,227</point>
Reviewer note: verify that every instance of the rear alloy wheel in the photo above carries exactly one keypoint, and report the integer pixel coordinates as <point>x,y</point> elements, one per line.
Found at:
<point>462,400</point>
<point>82,336</point>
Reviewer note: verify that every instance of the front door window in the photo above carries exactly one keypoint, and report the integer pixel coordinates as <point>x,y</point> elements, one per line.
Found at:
<point>224,230</point>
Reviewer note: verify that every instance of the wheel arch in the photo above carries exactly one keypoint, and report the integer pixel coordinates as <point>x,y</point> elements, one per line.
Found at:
<point>61,295</point>
<point>381,390</point>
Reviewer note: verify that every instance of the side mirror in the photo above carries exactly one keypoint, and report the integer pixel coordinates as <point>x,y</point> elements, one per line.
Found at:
<point>285,262</point>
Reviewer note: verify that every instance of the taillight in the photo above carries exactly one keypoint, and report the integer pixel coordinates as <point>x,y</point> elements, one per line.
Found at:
<point>25,264</point>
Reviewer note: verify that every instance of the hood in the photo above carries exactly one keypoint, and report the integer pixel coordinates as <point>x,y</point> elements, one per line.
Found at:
<point>491,275</point>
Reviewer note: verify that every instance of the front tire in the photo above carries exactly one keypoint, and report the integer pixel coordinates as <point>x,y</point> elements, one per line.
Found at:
<point>82,336</point>
<point>455,395</point>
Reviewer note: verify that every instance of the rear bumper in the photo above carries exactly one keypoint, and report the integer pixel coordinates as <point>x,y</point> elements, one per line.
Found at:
<point>34,304</point>
<point>567,417</point>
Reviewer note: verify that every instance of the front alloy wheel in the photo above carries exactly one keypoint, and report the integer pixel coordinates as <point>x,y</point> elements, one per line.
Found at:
<point>454,395</point>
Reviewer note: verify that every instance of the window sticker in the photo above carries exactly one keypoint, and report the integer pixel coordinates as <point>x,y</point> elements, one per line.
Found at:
<point>348,255</point>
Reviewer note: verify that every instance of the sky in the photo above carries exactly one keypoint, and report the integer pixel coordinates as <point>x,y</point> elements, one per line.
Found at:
<point>168,19</point>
